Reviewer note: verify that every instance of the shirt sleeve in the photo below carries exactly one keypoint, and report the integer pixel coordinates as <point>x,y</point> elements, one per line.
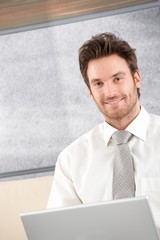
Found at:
<point>63,192</point>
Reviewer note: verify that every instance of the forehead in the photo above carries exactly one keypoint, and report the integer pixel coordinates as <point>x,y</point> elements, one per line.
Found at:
<point>108,65</point>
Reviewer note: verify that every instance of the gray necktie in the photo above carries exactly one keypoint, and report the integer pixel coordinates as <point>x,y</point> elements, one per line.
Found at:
<point>123,172</point>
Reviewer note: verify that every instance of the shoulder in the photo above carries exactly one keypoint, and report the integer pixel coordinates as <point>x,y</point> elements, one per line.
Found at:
<point>154,120</point>
<point>82,143</point>
<point>74,159</point>
<point>154,124</point>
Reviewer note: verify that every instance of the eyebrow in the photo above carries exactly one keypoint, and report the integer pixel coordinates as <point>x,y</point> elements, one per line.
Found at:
<point>114,75</point>
<point>118,73</point>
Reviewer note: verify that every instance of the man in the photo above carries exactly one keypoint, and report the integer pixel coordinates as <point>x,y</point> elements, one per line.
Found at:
<point>84,170</point>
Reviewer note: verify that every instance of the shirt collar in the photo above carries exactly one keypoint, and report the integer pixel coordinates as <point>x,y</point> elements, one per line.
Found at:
<point>137,127</point>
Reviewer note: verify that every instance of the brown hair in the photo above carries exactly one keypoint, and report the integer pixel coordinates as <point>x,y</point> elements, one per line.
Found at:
<point>105,44</point>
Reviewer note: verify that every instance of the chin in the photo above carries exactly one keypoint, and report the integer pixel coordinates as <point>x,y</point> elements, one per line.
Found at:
<point>115,115</point>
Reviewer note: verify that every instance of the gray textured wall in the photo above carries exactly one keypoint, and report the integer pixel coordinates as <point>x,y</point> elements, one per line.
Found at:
<point>44,104</point>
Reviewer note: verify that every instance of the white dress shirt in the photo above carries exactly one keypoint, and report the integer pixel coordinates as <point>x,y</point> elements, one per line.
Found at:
<point>84,169</point>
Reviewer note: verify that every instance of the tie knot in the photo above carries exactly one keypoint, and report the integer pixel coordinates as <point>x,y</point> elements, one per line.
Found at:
<point>121,137</point>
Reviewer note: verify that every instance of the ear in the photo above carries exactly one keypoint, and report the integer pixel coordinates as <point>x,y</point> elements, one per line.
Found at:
<point>137,79</point>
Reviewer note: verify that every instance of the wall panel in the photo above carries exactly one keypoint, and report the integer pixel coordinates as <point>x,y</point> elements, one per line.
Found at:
<point>44,103</point>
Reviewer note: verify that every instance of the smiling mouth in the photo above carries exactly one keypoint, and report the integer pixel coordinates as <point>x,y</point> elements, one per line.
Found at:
<point>114,101</point>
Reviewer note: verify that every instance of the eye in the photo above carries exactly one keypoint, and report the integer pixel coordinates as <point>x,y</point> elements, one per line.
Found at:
<point>97,84</point>
<point>117,79</point>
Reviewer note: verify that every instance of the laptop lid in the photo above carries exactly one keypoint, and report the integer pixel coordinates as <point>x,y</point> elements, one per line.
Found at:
<point>127,219</point>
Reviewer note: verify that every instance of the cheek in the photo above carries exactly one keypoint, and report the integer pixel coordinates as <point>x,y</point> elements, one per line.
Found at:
<point>132,88</point>
<point>97,97</point>
<point>133,94</point>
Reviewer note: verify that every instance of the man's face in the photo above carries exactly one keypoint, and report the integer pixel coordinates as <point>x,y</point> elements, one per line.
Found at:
<point>113,88</point>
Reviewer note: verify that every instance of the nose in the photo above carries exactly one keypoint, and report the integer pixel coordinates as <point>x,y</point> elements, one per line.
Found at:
<point>109,90</point>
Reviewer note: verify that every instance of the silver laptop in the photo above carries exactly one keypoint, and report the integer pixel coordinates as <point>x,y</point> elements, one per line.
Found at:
<point>127,219</point>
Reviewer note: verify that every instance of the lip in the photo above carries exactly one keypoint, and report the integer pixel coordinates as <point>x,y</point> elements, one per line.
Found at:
<point>114,101</point>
